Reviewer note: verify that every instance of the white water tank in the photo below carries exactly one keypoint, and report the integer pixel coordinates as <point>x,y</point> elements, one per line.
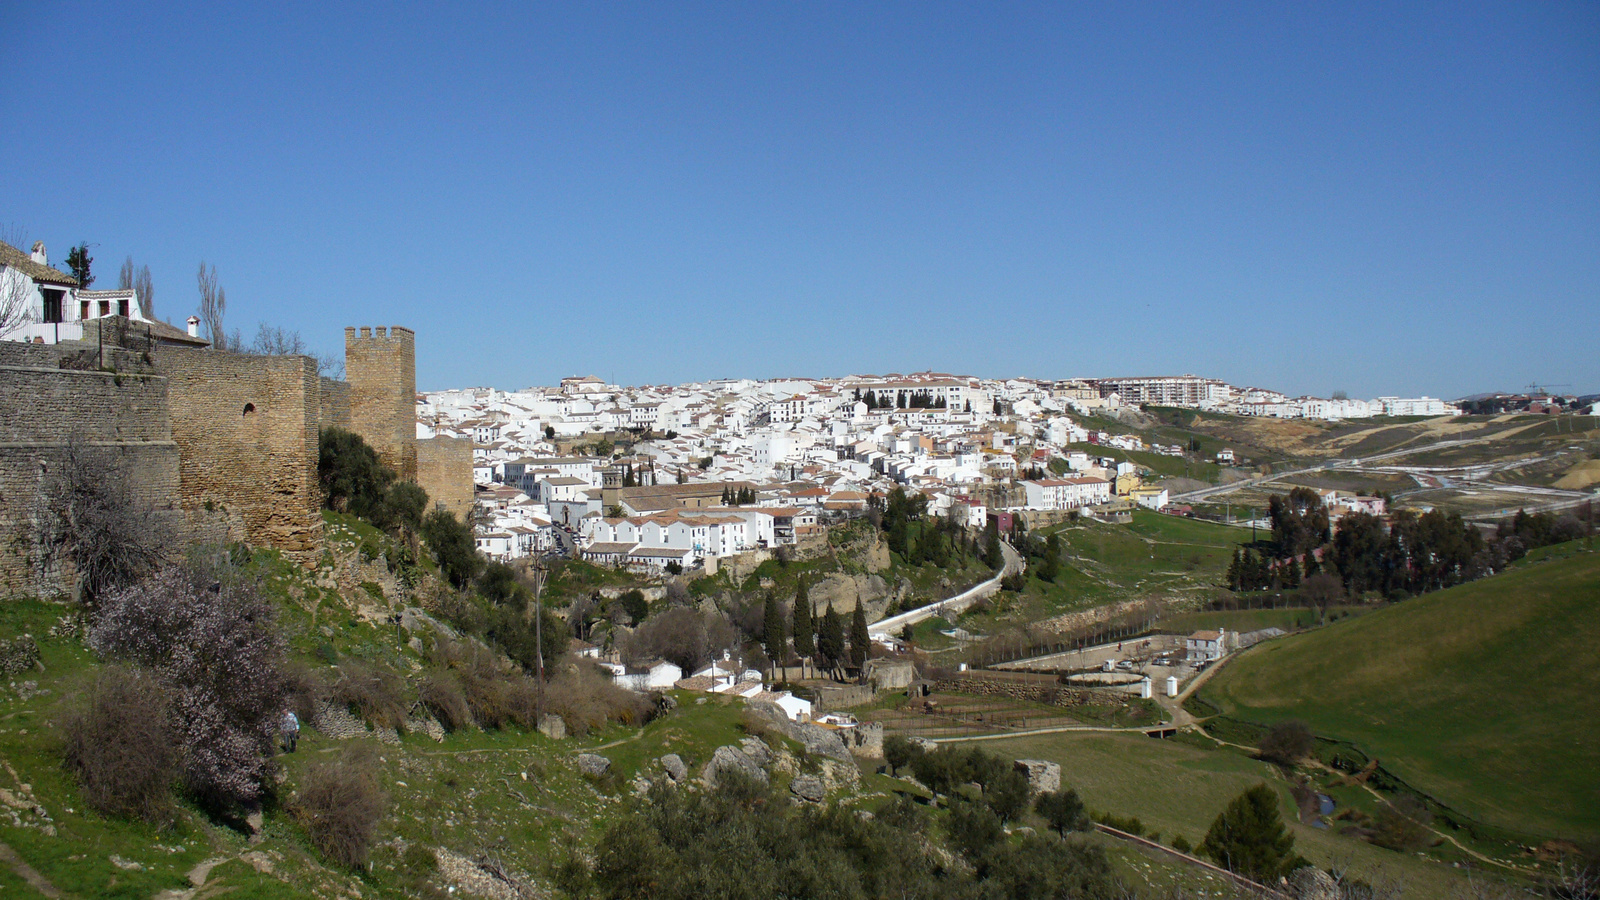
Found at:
<point>1144,688</point>
<point>1172,685</point>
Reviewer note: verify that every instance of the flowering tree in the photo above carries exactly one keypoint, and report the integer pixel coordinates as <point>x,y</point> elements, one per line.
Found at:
<point>215,648</point>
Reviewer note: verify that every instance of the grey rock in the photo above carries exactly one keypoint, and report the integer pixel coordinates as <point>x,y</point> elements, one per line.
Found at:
<point>757,750</point>
<point>553,726</point>
<point>817,740</point>
<point>673,765</point>
<point>927,745</point>
<point>729,759</point>
<point>1043,775</point>
<point>593,764</point>
<point>808,787</point>
<point>1311,883</point>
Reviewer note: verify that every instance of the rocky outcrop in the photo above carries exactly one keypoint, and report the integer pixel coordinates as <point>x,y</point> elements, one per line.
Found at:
<point>1042,775</point>
<point>593,764</point>
<point>553,726</point>
<point>731,759</point>
<point>842,590</point>
<point>808,788</point>
<point>673,765</point>
<point>1311,883</point>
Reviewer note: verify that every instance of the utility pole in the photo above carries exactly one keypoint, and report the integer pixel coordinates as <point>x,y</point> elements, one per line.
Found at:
<point>538,638</point>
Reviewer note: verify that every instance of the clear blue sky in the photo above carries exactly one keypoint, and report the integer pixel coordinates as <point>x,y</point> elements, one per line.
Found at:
<point>1373,197</point>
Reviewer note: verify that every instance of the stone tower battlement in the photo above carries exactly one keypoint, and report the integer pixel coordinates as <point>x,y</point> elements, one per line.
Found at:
<point>380,365</point>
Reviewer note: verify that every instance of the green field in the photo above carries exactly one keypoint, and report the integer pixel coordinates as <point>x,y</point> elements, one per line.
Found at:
<point>1156,555</point>
<point>1174,789</point>
<point>1241,620</point>
<point>1485,695</point>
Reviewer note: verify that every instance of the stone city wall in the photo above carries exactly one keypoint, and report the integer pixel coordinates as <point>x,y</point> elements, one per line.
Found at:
<point>335,403</point>
<point>52,417</point>
<point>246,429</point>
<point>380,364</point>
<point>444,470</point>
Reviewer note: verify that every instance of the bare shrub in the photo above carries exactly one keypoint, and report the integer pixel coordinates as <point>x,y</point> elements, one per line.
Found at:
<point>372,694</point>
<point>340,805</point>
<point>587,700</point>
<point>1287,743</point>
<point>496,694</point>
<point>215,648</point>
<point>303,687</point>
<point>120,748</point>
<point>1404,824</point>
<point>91,519</point>
<point>683,636</point>
<point>440,693</point>
<point>498,699</point>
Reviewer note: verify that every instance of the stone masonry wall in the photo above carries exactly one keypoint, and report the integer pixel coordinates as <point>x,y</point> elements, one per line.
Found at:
<point>335,403</point>
<point>444,470</point>
<point>380,364</point>
<point>1036,693</point>
<point>246,429</point>
<point>47,412</point>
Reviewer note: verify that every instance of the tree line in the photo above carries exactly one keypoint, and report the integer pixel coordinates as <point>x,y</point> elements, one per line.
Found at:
<point>1411,553</point>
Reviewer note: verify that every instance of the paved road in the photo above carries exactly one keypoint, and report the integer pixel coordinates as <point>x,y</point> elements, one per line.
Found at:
<point>950,606</point>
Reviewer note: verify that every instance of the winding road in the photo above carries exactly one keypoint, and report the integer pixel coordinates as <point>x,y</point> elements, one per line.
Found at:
<point>952,605</point>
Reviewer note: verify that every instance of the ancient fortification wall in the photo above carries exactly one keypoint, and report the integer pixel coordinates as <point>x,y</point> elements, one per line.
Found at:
<point>335,402</point>
<point>48,415</point>
<point>381,366</point>
<point>246,429</point>
<point>444,470</point>
<point>224,444</point>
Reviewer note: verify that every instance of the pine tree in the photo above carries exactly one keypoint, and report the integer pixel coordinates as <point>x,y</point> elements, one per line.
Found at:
<point>1236,571</point>
<point>772,633</point>
<point>860,638</point>
<point>1249,838</point>
<point>79,261</point>
<point>803,627</point>
<point>830,638</point>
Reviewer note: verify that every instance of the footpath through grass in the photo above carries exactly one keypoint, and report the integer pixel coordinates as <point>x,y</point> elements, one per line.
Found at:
<point>1484,696</point>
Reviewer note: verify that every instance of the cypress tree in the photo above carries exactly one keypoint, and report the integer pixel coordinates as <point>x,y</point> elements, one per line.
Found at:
<point>1291,573</point>
<point>860,638</point>
<point>830,638</point>
<point>803,627</point>
<point>772,632</point>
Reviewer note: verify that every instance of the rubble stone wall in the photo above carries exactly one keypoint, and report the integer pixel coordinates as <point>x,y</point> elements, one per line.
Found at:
<point>381,366</point>
<point>246,430</point>
<point>444,470</point>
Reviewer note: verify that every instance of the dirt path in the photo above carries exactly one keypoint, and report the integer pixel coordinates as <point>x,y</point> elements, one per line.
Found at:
<point>29,873</point>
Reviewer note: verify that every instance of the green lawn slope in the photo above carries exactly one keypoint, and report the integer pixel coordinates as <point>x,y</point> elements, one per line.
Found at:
<point>1486,696</point>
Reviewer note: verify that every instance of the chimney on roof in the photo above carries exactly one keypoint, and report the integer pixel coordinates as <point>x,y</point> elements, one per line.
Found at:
<point>38,255</point>
<point>194,326</point>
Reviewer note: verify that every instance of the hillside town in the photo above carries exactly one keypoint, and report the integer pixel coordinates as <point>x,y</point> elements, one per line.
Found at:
<point>713,469</point>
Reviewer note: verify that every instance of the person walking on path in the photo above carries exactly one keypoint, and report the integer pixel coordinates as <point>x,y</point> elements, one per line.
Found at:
<point>291,730</point>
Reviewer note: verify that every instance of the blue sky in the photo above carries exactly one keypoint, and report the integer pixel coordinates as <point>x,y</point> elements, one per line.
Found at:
<point>1370,197</point>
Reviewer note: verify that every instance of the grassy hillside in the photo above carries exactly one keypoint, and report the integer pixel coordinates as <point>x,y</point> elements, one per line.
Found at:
<point>1484,695</point>
<point>1155,555</point>
<point>1175,788</point>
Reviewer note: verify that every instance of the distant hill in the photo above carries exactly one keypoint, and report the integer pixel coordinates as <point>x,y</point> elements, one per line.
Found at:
<point>1486,695</point>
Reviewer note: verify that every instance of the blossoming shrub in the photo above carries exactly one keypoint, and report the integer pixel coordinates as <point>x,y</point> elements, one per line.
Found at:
<point>215,648</point>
